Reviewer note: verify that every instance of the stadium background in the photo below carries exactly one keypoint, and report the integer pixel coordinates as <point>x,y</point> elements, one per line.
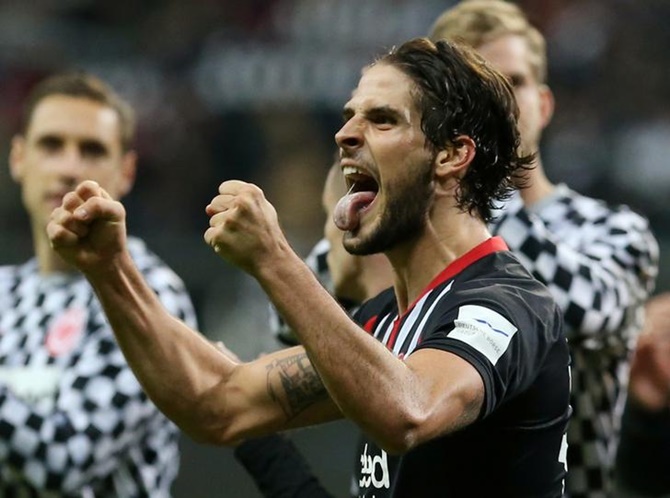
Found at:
<point>253,90</point>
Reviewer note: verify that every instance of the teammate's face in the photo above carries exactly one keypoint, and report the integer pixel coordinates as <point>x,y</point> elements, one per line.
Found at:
<point>511,56</point>
<point>384,153</point>
<point>69,140</point>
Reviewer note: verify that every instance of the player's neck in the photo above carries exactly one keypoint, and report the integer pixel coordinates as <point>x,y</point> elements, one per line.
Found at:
<point>378,275</point>
<point>48,261</point>
<point>444,240</point>
<point>538,185</point>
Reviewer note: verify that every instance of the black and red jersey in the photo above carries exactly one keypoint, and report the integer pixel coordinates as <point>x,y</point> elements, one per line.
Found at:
<point>486,308</point>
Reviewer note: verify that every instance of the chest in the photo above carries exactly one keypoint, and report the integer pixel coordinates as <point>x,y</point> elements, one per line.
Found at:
<point>401,334</point>
<point>43,325</point>
<point>42,330</point>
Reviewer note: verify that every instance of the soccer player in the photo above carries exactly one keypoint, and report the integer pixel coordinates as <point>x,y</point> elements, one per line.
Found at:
<point>599,261</point>
<point>458,376</point>
<point>74,421</point>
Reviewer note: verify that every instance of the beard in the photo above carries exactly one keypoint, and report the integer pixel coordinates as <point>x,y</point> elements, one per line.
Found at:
<point>404,218</point>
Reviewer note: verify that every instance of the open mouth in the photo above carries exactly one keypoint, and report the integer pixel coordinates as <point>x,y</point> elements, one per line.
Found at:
<point>359,181</point>
<point>363,189</point>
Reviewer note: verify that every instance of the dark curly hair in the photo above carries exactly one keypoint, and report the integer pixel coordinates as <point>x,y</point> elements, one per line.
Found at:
<point>458,93</point>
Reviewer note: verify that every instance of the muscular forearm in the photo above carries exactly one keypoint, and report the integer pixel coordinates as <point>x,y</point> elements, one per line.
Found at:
<point>178,368</point>
<point>208,395</point>
<point>378,391</point>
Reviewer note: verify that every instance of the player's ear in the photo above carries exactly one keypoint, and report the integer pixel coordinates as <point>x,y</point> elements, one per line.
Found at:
<point>128,172</point>
<point>547,104</point>
<point>455,158</point>
<point>16,158</point>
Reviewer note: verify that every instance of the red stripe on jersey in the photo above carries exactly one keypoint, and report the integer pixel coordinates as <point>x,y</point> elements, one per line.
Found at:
<point>394,333</point>
<point>369,325</point>
<point>487,247</point>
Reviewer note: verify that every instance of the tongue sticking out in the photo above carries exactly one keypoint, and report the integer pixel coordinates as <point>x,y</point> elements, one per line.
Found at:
<point>347,212</point>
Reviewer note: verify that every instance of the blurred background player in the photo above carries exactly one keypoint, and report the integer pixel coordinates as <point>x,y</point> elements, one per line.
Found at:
<point>599,261</point>
<point>74,421</point>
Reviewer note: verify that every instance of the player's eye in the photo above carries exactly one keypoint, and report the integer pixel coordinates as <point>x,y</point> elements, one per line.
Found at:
<point>93,149</point>
<point>50,144</point>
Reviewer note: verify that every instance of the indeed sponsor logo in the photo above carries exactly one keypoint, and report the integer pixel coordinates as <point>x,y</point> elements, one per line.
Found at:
<point>374,470</point>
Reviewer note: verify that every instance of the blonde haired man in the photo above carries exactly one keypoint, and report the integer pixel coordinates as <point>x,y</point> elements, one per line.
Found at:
<point>599,261</point>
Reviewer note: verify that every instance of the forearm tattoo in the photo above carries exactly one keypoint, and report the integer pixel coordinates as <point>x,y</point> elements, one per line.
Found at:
<point>294,384</point>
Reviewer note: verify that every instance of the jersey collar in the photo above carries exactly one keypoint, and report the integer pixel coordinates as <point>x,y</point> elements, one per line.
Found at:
<point>489,246</point>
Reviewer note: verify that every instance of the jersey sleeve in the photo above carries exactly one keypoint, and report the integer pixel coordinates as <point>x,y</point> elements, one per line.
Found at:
<point>599,278</point>
<point>504,340</point>
<point>99,415</point>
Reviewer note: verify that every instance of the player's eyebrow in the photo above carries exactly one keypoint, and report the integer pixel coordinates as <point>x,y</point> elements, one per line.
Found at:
<point>384,112</point>
<point>374,113</point>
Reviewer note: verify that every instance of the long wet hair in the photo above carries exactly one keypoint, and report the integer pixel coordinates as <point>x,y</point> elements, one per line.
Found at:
<point>458,93</point>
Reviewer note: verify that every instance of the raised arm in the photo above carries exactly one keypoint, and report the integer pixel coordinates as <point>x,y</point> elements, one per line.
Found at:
<point>209,396</point>
<point>398,403</point>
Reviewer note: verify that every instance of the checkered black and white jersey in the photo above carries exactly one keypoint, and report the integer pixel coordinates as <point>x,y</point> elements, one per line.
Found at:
<point>74,421</point>
<point>600,263</point>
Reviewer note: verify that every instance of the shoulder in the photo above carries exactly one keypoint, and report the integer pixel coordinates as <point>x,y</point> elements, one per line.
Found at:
<point>599,211</point>
<point>499,282</point>
<point>11,274</point>
<point>150,264</point>
<point>500,311</point>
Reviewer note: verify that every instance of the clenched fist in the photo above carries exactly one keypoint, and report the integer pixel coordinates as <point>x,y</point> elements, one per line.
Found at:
<point>88,230</point>
<point>243,226</point>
